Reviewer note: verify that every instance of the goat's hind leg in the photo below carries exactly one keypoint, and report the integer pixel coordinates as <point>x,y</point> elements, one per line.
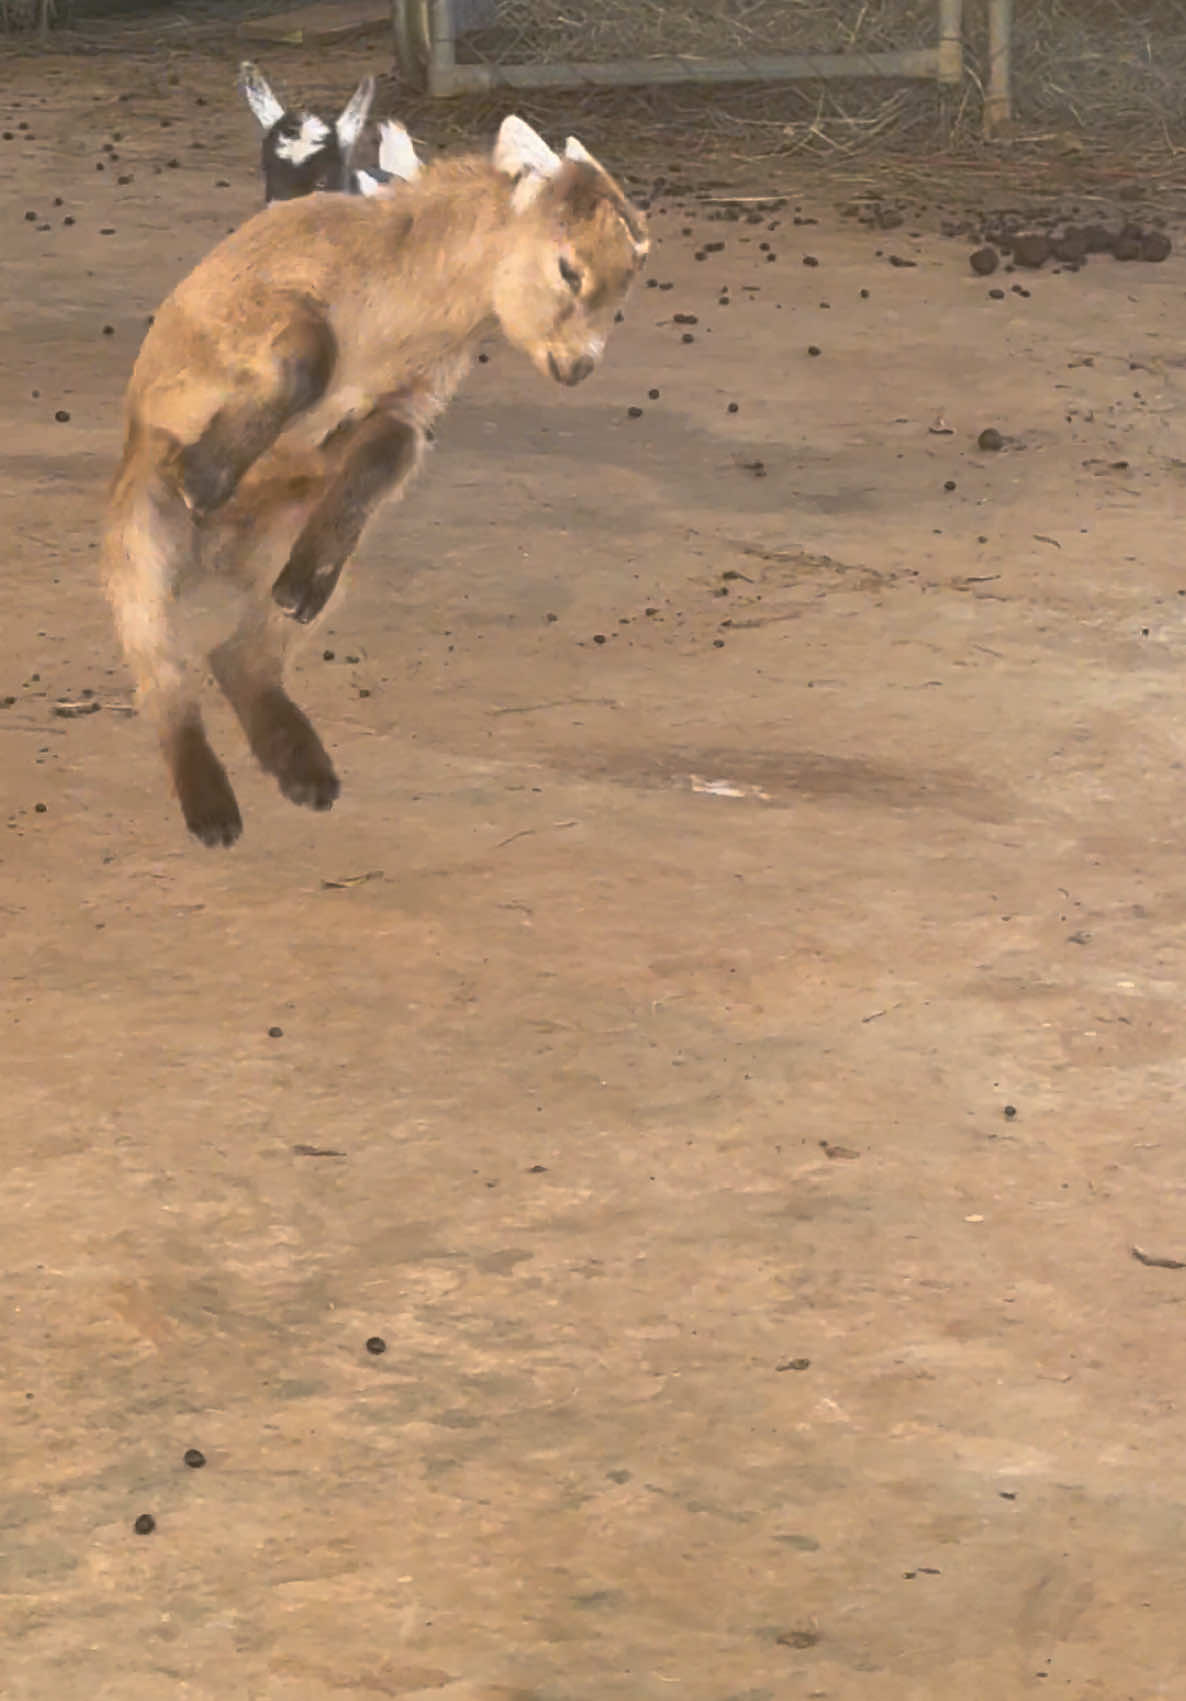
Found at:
<point>375,456</point>
<point>293,373</point>
<point>249,667</point>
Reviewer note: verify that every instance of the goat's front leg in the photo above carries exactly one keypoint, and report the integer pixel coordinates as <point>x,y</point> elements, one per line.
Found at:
<point>376,456</point>
<point>293,374</point>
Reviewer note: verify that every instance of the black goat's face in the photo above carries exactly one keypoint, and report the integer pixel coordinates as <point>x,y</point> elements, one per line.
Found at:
<point>302,154</point>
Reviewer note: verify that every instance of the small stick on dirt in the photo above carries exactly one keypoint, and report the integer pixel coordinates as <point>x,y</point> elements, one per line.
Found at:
<point>1153,1263</point>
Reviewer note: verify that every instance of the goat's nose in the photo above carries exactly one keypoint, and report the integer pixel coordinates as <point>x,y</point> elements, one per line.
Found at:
<point>579,370</point>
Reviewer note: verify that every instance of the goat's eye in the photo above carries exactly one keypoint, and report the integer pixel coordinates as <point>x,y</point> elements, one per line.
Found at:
<point>571,276</point>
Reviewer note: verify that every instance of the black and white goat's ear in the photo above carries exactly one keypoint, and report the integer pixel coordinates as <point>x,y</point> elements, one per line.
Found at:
<point>353,116</point>
<point>397,156</point>
<point>521,154</point>
<point>257,92</point>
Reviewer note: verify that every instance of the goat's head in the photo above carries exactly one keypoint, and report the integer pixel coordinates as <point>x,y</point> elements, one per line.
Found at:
<point>576,244</point>
<point>301,152</point>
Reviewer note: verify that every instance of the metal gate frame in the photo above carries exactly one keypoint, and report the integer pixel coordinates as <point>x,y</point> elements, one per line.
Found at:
<point>426,44</point>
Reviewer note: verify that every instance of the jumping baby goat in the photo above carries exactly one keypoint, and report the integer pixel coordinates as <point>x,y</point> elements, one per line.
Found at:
<point>288,385</point>
<point>301,153</point>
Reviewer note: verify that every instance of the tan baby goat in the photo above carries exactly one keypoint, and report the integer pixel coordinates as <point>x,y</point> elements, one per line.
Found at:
<point>286,388</point>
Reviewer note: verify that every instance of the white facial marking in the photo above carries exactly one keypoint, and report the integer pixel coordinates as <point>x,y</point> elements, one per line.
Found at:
<point>257,92</point>
<point>396,153</point>
<point>354,115</point>
<point>308,141</point>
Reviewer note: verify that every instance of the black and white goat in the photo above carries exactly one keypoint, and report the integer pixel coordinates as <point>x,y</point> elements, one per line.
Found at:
<point>302,153</point>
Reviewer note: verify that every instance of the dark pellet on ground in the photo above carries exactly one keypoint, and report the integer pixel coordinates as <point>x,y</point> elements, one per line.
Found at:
<point>69,219</point>
<point>125,179</point>
<point>31,218</point>
<point>897,260</point>
<point>990,438</point>
<point>810,260</point>
<point>1031,251</point>
<point>812,350</point>
<point>62,416</point>
<point>40,808</point>
<point>172,164</point>
<point>634,413</point>
<point>718,643</point>
<point>194,1458</point>
<point>700,255</point>
<point>984,261</point>
<point>653,395</point>
<point>109,330</point>
<point>685,319</point>
<point>275,1033</point>
<point>652,283</point>
<point>687,337</point>
<point>376,1345</point>
<point>732,408</point>
<point>145,1524</point>
<point>1010,1111</point>
<point>864,295</point>
<point>996,294</point>
<point>599,637</point>
<point>1070,247</point>
<point>327,655</point>
<point>949,484</point>
<point>107,230</point>
<point>482,359</point>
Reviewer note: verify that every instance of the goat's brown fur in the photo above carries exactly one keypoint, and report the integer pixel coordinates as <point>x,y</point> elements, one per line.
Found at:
<point>287,386</point>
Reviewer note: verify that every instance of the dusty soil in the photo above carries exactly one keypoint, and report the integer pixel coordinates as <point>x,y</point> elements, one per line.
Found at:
<point>729,1064</point>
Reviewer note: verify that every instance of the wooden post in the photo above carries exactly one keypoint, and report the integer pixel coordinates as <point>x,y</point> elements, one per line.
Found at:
<point>951,41</point>
<point>442,57</point>
<point>998,101</point>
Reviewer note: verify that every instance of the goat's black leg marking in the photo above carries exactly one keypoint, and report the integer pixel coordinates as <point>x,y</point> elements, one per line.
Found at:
<point>203,790</point>
<point>242,429</point>
<point>383,452</point>
<point>286,746</point>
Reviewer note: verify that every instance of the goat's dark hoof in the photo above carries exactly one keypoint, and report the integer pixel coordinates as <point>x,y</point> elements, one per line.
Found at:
<point>303,592</point>
<point>286,746</point>
<point>204,792</point>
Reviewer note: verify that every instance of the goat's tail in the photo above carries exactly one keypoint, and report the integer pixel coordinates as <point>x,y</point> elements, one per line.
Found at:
<point>148,541</point>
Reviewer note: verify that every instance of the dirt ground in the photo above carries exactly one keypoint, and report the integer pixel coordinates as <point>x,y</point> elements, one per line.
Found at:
<point>726,1041</point>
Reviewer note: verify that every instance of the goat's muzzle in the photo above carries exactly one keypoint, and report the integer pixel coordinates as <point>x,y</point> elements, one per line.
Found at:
<point>572,374</point>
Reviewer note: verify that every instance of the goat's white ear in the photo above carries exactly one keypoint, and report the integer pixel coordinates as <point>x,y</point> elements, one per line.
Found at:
<point>353,115</point>
<point>257,92</point>
<point>577,151</point>
<point>396,153</point>
<point>520,153</point>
